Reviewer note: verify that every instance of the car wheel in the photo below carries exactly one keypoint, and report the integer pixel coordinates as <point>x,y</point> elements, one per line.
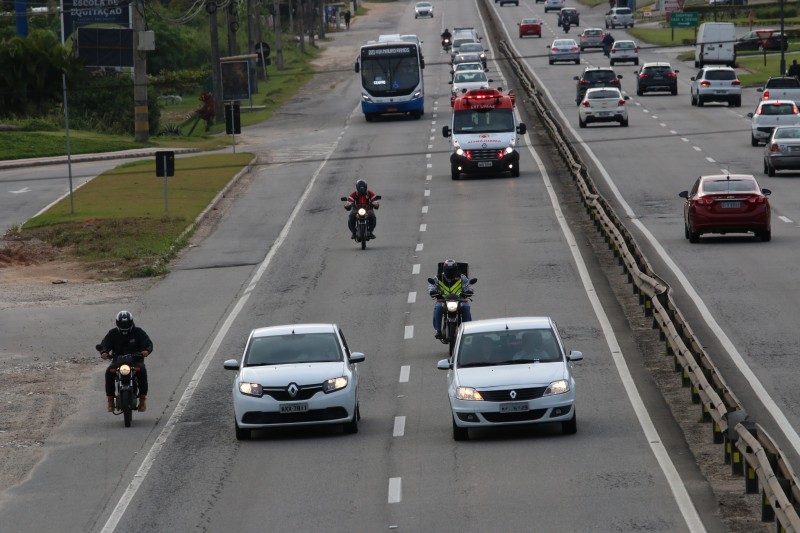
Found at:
<point>694,100</point>
<point>581,122</point>
<point>674,91</point>
<point>635,61</point>
<point>737,102</point>
<point>578,61</point>
<point>612,62</point>
<point>700,102</point>
<point>581,48</point>
<point>753,140</point>
<point>551,61</point>
<point>520,36</point>
<point>241,434</point>
<point>351,427</point>
<point>515,171</point>
<point>694,237</point>
<point>624,122</point>
<point>765,235</point>
<point>454,173</point>
<point>685,231</point>
<point>770,171</point>
<point>460,433</point>
<point>639,91</point>
<point>570,427</point>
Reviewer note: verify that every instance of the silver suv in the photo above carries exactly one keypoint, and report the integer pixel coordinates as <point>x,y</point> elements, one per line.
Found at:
<point>619,16</point>
<point>716,84</point>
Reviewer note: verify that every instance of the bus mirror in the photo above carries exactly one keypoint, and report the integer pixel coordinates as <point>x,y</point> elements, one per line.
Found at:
<point>357,66</point>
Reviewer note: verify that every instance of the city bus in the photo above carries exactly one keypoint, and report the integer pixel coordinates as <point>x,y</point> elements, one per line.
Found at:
<point>391,77</point>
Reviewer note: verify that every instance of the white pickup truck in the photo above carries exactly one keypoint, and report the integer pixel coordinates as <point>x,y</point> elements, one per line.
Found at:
<point>781,88</point>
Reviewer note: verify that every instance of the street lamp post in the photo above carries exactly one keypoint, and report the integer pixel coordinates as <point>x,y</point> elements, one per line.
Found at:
<point>783,58</point>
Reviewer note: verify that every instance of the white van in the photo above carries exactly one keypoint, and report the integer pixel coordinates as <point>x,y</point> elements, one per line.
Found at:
<point>715,44</point>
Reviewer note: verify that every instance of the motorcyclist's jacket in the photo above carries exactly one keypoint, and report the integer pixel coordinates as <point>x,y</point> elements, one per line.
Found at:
<point>135,341</point>
<point>361,200</point>
<point>446,35</point>
<point>445,287</point>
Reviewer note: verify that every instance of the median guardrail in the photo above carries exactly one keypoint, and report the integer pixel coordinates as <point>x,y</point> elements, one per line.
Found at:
<point>751,452</point>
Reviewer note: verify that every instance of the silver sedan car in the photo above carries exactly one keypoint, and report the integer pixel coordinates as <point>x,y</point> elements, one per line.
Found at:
<point>510,371</point>
<point>564,50</point>
<point>295,375</point>
<point>782,151</point>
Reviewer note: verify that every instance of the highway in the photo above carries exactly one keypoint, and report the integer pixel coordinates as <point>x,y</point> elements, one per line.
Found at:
<point>282,255</point>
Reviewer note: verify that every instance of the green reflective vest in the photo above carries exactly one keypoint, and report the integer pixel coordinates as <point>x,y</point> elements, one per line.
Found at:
<point>445,289</point>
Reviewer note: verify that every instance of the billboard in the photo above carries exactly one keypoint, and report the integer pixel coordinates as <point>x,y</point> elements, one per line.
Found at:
<point>79,13</point>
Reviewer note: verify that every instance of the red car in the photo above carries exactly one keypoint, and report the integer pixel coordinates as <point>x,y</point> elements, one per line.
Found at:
<point>530,27</point>
<point>732,203</point>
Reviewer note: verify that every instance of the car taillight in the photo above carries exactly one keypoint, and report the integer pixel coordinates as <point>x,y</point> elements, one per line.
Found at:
<point>621,102</point>
<point>736,82</point>
<point>704,201</point>
<point>586,103</point>
<point>583,82</point>
<point>774,148</point>
<point>635,50</point>
<point>574,49</point>
<point>642,75</point>
<point>672,75</point>
<point>766,95</point>
<point>705,83</point>
<point>757,199</point>
<point>615,81</point>
<point>554,49</point>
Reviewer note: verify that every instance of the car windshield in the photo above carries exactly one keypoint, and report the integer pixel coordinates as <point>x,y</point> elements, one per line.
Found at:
<point>787,133</point>
<point>658,70</point>
<point>623,11</point>
<point>624,44</point>
<point>508,348</point>
<point>483,121</point>
<point>784,83</point>
<point>730,185</point>
<point>530,21</point>
<point>568,11</point>
<point>423,4</point>
<point>593,33</point>
<point>469,66</point>
<point>777,109</point>
<point>292,349</point>
<point>599,95</point>
<point>470,76</point>
<point>471,47</point>
<point>722,75</point>
<point>599,75</point>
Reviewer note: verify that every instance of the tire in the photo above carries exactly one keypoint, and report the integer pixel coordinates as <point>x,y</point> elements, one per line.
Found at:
<point>241,434</point>
<point>520,36</point>
<point>737,102</point>
<point>416,114</point>
<point>765,235</point>
<point>578,61</point>
<point>770,171</point>
<point>370,117</point>
<point>460,434</point>
<point>351,427</point>
<point>766,167</point>
<point>624,122</point>
<point>581,48</point>
<point>515,171</point>
<point>451,335</point>
<point>552,62</point>
<point>694,237</point>
<point>753,140</point>
<point>363,242</point>
<point>674,91</point>
<point>570,427</point>
<point>694,100</point>
<point>685,231</point>
<point>636,62</point>
<point>612,62</point>
<point>454,173</point>
<point>700,102</point>
<point>581,123</point>
<point>126,404</point>
<point>639,92</point>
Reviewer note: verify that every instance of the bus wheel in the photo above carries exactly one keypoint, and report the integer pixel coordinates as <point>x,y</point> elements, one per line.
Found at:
<point>416,114</point>
<point>369,116</point>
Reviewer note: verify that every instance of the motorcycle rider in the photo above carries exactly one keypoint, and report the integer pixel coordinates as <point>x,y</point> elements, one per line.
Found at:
<point>126,338</point>
<point>565,24</point>
<point>446,36</point>
<point>451,281</point>
<point>361,197</point>
<point>608,42</point>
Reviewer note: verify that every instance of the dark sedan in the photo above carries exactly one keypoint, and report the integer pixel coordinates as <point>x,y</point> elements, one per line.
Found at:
<point>656,77</point>
<point>726,203</point>
<point>751,41</point>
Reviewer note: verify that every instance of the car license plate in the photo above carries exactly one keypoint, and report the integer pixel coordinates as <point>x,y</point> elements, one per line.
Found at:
<point>730,205</point>
<point>794,148</point>
<point>484,163</point>
<point>392,110</point>
<point>518,407</point>
<point>293,407</point>
<point>721,92</point>
<point>603,114</point>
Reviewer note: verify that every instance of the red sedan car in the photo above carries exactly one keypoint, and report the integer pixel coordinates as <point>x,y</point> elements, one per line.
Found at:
<point>530,27</point>
<point>732,203</point>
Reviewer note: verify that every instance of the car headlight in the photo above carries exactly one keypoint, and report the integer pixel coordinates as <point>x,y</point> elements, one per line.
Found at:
<point>334,384</point>
<point>557,387</point>
<point>468,393</point>
<point>366,98</point>
<point>124,370</point>
<point>509,150</point>
<point>452,306</point>
<point>417,94</point>
<point>251,389</point>
<point>459,151</point>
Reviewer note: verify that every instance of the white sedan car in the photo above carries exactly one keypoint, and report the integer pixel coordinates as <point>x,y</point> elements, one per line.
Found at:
<point>423,9</point>
<point>469,79</point>
<point>302,374</point>
<point>624,51</point>
<point>603,104</point>
<point>510,371</point>
<point>769,115</point>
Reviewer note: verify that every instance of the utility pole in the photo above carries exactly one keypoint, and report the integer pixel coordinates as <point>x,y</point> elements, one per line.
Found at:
<point>301,16</point>
<point>232,24</point>
<point>251,46</point>
<point>141,118</point>
<point>278,37</point>
<point>216,69</point>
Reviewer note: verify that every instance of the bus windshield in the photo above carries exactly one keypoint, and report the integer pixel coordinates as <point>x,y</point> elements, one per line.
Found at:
<point>483,121</point>
<point>392,70</point>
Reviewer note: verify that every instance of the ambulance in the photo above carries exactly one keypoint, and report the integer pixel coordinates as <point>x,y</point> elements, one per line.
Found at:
<point>484,133</point>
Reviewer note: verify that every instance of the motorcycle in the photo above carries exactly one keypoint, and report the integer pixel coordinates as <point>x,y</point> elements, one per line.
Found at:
<point>452,315</point>
<point>446,45</point>
<point>565,25</point>
<point>362,222</point>
<point>126,397</point>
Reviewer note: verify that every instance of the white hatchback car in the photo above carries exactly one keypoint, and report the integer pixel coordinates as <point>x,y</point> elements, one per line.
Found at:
<point>603,104</point>
<point>769,115</point>
<point>423,9</point>
<point>510,371</point>
<point>469,79</point>
<point>553,5</point>
<point>716,84</point>
<point>295,375</point>
<point>624,51</point>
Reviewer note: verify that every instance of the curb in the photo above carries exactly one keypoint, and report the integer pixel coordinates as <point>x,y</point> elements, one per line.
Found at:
<point>60,160</point>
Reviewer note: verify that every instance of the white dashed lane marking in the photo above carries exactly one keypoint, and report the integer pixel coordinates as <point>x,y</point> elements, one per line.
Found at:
<point>786,219</point>
<point>419,248</point>
<point>423,227</point>
<point>415,268</point>
<point>395,489</point>
<point>399,426</point>
<point>412,297</point>
<point>697,148</point>
<point>405,372</point>
<point>409,333</point>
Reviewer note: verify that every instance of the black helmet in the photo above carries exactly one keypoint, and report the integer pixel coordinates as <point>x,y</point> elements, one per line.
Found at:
<point>450,270</point>
<point>124,322</point>
<point>361,187</point>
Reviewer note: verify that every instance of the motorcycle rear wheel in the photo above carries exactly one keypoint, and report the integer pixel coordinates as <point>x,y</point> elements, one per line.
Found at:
<point>126,401</point>
<point>451,336</point>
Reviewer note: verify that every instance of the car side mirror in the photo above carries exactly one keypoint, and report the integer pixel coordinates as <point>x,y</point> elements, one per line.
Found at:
<point>676,71</point>
<point>357,357</point>
<point>445,133</point>
<point>760,89</point>
<point>692,78</point>
<point>576,78</point>
<point>749,115</point>
<point>450,82</point>
<point>231,364</point>
<point>492,81</point>
<point>626,97</point>
<point>575,355</point>
<point>684,194</point>
<point>344,198</point>
<point>619,76</point>
<point>766,192</point>
<point>444,364</point>
<point>522,129</point>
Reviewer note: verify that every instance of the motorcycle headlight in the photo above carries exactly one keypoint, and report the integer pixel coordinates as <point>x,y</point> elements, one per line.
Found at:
<point>468,393</point>
<point>125,370</point>
<point>557,387</point>
<point>334,384</point>
<point>362,212</point>
<point>452,306</point>
<point>251,389</point>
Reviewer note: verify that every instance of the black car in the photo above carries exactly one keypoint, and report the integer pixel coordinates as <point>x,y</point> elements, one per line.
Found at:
<point>656,77</point>
<point>571,14</point>
<point>751,41</point>
<point>596,77</point>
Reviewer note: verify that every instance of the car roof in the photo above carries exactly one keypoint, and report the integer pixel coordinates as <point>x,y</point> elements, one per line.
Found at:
<point>718,177</point>
<point>587,69</point>
<point>718,67</point>
<point>624,41</point>
<point>511,323</point>
<point>656,64</point>
<point>598,89</point>
<point>288,329</point>
<point>593,29</point>
<point>530,21</point>
<point>775,102</point>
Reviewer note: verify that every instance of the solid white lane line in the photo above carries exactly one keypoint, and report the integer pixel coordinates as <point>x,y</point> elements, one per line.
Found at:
<point>399,426</point>
<point>409,332</point>
<point>786,219</point>
<point>395,489</point>
<point>405,372</point>
<point>419,248</point>
<point>412,297</point>
<point>415,268</point>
